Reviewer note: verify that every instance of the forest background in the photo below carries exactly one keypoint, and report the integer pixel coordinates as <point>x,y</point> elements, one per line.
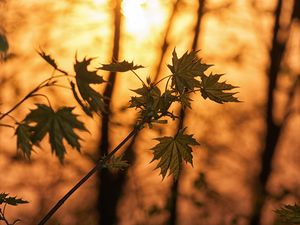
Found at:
<point>247,161</point>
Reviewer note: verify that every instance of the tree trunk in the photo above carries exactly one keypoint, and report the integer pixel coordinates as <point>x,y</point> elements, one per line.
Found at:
<point>175,185</point>
<point>109,189</point>
<point>273,130</point>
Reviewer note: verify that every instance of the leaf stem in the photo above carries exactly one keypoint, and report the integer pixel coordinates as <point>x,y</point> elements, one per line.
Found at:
<point>155,84</point>
<point>138,77</point>
<point>99,165</point>
<point>42,95</point>
<point>43,84</point>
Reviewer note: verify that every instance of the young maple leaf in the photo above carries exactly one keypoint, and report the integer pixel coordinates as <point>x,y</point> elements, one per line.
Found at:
<point>120,66</point>
<point>48,59</point>
<point>23,133</point>
<point>59,125</point>
<point>185,71</point>
<point>216,91</point>
<point>171,151</point>
<point>6,199</point>
<point>84,78</point>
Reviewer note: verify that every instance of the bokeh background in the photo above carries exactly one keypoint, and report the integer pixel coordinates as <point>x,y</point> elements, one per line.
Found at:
<point>248,162</point>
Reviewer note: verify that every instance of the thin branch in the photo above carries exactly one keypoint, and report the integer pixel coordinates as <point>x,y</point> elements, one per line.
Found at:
<point>6,125</point>
<point>99,165</point>
<point>155,84</point>
<point>138,77</point>
<point>33,95</point>
<point>43,84</point>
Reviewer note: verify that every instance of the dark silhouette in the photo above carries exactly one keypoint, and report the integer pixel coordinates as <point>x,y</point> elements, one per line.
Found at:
<point>174,189</point>
<point>109,187</point>
<point>273,129</point>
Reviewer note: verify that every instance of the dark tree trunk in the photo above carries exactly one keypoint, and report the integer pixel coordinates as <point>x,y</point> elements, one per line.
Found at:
<point>175,185</point>
<point>109,188</point>
<point>273,130</point>
<point>165,44</point>
<point>112,185</point>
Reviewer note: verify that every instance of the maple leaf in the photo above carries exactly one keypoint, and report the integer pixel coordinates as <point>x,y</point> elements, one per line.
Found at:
<point>5,198</point>
<point>59,125</point>
<point>185,71</point>
<point>120,66</point>
<point>23,133</point>
<point>48,59</point>
<point>84,78</point>
<point>171,151</point>
<point>214,90</point>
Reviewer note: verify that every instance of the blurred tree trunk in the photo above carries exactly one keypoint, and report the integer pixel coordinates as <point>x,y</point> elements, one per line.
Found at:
<point>175,185</point>
<point>109,188</point>
<point>165,44</point>
<point>273,129</point>
<point>112,185</point>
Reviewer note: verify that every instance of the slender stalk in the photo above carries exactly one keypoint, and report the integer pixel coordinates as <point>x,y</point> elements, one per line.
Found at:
<point>100,163</point>
<point>3,216</point>
<point>138,77</point>
<point>43,84</point>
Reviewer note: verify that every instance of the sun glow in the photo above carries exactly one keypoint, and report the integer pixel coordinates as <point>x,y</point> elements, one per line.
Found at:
<point>142,16</point>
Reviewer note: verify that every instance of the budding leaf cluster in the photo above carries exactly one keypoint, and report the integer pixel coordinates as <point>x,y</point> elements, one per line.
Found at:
<point>117,163</point>
<point>289,214</point>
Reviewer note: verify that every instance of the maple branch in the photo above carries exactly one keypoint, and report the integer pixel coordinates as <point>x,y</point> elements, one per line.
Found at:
<point>99,165</point>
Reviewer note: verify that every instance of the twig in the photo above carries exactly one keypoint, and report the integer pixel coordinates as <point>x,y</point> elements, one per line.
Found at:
<point>99,165</point>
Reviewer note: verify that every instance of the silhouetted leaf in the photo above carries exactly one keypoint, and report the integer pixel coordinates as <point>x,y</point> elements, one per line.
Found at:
<point>48,59</point>
<point>83,106</point>
<point>59,125</point>
<point>84,78</point>
<point>5,198</point>
<point>171,151</point>
<point>120,66</point>
<point>185,71</point>
<point>289,214</point>
<point>24,143</point>
<point>217,91</point>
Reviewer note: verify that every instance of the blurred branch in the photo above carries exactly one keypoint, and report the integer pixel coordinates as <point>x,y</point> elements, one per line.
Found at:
<point>165,44</point>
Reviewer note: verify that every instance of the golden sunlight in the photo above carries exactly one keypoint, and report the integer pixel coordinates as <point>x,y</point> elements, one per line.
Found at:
<point>142,16</point>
